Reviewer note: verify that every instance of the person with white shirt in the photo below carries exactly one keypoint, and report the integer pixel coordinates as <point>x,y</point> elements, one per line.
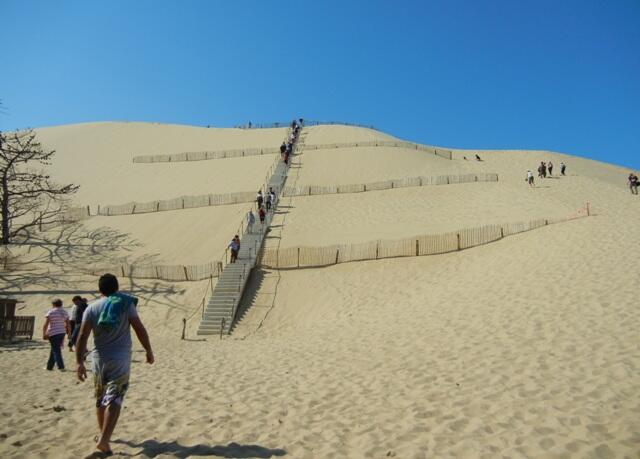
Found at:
<point>56,325</point>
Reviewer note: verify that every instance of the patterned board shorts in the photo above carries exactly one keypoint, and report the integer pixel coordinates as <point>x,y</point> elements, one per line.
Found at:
<point>111,381</point>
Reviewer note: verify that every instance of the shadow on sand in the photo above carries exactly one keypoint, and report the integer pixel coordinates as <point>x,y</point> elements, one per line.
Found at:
<point>153,448</point>
<point>49,263</point>
<point>21,345</point>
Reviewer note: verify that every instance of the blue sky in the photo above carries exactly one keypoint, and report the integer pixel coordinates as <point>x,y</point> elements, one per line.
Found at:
<point>556,75</point>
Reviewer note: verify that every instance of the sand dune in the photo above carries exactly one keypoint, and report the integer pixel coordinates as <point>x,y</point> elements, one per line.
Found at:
<point>98,155</point>
<point>526,347</point>
<point>188,236</point>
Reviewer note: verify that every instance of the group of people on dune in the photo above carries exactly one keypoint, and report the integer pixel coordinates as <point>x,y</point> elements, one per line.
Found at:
<point>265,204</point>
<point>544,169</point>
<point>109,319</point>
<point>287,145</point>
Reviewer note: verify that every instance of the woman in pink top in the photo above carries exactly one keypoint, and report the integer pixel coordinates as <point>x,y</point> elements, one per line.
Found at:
<point>56,325</point>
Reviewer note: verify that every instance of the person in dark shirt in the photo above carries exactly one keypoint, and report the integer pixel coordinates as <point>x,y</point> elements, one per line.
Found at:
<point>633,183</point>
<point>79,306</point>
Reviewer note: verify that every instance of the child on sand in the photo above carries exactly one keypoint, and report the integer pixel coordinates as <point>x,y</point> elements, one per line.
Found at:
<point>56,325</point>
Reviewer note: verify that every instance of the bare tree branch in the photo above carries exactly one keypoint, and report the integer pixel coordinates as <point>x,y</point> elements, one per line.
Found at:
<point>28,196</point>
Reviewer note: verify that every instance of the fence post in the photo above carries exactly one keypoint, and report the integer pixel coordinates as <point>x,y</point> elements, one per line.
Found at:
<point>183,203</point>
<point>133,209</point>
<point>98,209</point>
<point>122,269</point>
<point>377,248</point>
<point>501,232</point>
<point>184,326</point>
<point>186,275</point>
<point>157,273</point>
<point>417,247</point>
<point>458,236</point>
<point>337,255</point>
<point>298,257</point>
<point>588,210</point>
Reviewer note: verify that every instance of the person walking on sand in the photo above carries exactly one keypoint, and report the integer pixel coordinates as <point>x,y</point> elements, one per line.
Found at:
<point>563,167</point>
<point>109,318</point>
<point>550,168</point>
<point>542,170</point>
<point>530,178</point>
<point>56,325</point>
<point>79,306</point>
<point>283,148</point>
<point>259,198</point>
<point>633,183</point>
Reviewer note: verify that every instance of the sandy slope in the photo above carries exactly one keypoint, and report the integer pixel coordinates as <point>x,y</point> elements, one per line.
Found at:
<point>527,347</point>
<point>188,236</point>
<point>99,155</point>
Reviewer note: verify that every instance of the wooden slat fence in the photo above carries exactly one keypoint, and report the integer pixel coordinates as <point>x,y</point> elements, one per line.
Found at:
<point>312,190</point>
<point>183,202</point>
<point>305,257</point>
<point>205,155</point>
<point>442,152</point>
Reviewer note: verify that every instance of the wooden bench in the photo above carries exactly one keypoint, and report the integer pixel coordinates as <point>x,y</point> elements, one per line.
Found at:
<point>11,325</point>
<point>17,326</point>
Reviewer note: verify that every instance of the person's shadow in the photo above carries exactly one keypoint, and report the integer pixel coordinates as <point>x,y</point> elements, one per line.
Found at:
<point>153,448</point>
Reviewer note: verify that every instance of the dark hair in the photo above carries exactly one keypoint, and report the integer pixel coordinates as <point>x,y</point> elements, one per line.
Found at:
<point>108,284</point>
<point>57,302</point>
<point>76,298</point>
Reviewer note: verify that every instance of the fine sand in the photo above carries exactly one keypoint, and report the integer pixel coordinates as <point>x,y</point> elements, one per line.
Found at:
<point>526,347</point>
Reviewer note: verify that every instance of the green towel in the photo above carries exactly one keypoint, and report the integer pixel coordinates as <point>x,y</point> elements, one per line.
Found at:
<point>115,306</point>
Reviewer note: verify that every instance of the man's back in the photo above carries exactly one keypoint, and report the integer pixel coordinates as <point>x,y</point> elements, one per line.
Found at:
<point>111,342</point>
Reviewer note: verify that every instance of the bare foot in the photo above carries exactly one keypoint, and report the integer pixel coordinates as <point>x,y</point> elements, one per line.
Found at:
<point>104,448</point>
